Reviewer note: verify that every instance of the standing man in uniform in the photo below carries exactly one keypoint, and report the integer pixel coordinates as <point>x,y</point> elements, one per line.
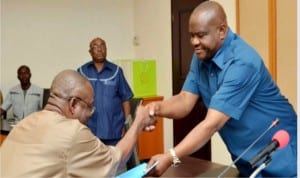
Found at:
<point>112,94</point>
<point>23,98</point>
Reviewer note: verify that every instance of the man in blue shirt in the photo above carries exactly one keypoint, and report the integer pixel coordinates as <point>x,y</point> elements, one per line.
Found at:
<point>240,94</point>
<point>112,94</point>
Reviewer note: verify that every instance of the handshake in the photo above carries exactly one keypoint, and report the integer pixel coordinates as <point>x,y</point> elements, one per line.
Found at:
<point>145,117</point>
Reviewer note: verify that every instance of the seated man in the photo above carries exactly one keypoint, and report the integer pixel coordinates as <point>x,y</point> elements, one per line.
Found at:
<point>55,142</point>
<point>24,98</point>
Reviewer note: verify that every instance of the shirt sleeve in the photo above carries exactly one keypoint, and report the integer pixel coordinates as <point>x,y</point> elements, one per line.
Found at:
<point>236,91</point>
<point>190,84</point>
<point>7,103</point>
<point>89,157</point>
<point>124,88</point>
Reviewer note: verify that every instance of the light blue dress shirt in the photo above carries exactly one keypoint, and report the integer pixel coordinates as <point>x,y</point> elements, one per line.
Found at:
<point>236,82</point>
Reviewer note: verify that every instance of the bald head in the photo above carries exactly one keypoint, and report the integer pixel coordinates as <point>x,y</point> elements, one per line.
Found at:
<point>95,40</point>
<point>69,83</point>
<point>210,12</point>
<point>71,95</point>
<point>208,29</point>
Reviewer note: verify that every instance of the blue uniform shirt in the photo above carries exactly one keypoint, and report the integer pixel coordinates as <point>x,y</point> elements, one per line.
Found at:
<point>111,90</point>
<point>236,82</point>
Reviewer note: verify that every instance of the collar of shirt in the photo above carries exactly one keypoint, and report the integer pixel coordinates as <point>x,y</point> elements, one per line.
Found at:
<point>107,65</point>
<point>224,54</point>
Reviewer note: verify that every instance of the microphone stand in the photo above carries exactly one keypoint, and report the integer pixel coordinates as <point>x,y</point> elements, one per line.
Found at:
<point>261,167</point>
<point>274,123</point>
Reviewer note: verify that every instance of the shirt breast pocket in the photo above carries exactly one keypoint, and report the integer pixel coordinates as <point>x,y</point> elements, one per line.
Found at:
<point>110,88</point>
<point>33,100</point>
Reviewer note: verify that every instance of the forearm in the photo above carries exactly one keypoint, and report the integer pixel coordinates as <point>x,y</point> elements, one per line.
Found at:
<point>127,143</point>
<point>126,108</point>
<point>195,140</point>
<point>176,107</point>
<point>202,133</point>
<point>2,112</point>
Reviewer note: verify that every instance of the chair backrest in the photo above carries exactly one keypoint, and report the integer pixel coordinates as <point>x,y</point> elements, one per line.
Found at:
<point>134,102</point>
<point>46,96</point>
<point>134,159</point>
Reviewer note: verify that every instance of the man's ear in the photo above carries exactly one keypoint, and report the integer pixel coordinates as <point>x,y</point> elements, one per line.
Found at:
<point>72,105</point>
<point>223,31</point>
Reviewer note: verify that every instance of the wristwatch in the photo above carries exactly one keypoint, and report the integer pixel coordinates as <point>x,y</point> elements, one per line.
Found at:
<point>176,160</point>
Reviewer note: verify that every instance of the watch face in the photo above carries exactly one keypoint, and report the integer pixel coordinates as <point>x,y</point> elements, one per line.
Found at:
<point>176,162</point>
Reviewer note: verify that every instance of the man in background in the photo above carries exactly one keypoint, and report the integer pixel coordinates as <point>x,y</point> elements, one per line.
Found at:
<point>24,98</point>
<point>55,142</point>
<point>112,94</point>
<point>241,97</point>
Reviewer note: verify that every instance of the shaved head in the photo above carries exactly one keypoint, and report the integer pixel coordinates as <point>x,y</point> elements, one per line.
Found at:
<point>208,29</point>
<point>68,83</point>
<point>211,12</point>
<point>96,39</point>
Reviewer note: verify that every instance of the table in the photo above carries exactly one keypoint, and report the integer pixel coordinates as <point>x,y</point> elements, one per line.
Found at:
<point>193,167</point>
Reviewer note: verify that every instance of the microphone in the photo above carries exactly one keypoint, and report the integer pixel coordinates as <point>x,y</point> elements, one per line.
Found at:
<point>273,124</point>
<point>280,139</point>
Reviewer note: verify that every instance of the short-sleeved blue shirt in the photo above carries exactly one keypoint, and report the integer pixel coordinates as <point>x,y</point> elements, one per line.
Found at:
<point>111,90</point>
<point>236,82</point>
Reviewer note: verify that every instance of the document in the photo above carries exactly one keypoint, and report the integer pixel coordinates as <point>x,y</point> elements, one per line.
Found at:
<point>138,171</point>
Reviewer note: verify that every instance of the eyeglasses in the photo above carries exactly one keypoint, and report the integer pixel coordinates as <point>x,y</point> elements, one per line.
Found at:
<point>91,108</point>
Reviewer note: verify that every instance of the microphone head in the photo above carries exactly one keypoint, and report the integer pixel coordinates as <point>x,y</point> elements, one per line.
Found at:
<point>282,137</point>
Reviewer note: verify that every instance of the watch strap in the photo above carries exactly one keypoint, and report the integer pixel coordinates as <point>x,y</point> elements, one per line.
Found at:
<point>176,161</point>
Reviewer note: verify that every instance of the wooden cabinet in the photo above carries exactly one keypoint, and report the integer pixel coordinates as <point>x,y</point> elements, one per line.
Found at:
<point>151,143</point>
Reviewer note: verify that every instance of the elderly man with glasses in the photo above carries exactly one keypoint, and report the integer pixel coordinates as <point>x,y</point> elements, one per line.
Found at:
<point>55,142</point>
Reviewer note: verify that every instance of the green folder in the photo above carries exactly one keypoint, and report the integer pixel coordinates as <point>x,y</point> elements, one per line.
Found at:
<point>144,78</point>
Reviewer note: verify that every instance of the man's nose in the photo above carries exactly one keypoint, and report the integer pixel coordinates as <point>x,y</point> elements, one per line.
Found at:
<point>195,41</point>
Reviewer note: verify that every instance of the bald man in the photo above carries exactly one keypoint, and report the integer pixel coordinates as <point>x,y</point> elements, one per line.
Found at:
<point>241,97</point>
<point>55,142</point>
<point>112,94</point>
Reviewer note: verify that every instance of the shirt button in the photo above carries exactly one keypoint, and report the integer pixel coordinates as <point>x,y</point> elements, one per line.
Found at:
<point>212,74</point>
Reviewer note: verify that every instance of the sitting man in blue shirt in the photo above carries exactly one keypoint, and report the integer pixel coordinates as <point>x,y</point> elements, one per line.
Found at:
<point>241,97</point>
<point>24,98</point>
<point>112,94</point>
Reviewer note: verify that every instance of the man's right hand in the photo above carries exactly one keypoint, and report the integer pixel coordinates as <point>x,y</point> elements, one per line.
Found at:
<point>2,112</point>
<point>148,122</point>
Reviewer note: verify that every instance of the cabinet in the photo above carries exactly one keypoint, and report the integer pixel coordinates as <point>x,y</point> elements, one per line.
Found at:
<point>151,143</point>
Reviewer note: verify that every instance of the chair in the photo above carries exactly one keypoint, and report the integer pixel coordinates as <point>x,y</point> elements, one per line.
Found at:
<point>134,158</point>
<point>45,96</point>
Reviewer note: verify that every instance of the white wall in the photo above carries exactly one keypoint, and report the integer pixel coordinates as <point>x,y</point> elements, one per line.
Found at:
<point>50,36</point>
<point>153,32</point>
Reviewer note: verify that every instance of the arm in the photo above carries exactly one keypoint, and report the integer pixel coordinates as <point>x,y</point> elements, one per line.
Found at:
<point>6,105</point>
<point>178,106</point>
<point>2,112</point>
<point>89,156</point>
<point>127,143</point>
<point>126,108</point>
<point>196,138</point>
